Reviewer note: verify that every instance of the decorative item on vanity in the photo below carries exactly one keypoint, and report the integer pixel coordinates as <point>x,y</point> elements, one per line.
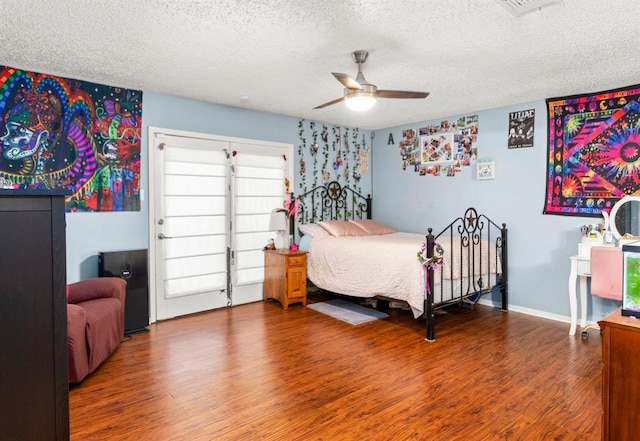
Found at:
<point>591,235</point>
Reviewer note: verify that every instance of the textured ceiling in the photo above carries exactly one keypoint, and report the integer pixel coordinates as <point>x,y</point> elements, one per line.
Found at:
<point>278,55</point>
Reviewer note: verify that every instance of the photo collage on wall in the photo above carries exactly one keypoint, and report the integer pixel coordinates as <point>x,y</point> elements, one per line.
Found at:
<point>440,150</point>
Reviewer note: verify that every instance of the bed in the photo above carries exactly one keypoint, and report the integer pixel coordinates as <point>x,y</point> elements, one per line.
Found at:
<point>351,254</point>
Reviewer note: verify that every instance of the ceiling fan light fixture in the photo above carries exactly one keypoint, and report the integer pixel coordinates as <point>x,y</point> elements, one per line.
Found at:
<point>360,95</point>
<point>359,101</point>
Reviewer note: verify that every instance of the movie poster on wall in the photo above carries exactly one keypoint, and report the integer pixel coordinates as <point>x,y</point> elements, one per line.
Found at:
<point>521,129</point>
<point>61,133</point>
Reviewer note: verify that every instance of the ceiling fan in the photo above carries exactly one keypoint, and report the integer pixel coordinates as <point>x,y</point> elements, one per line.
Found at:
<point>361,95</point>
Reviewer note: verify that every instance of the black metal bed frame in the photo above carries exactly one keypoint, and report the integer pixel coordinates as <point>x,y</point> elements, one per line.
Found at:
<point>477,235</point>
<point>333,201</point>
<point>336,202</point>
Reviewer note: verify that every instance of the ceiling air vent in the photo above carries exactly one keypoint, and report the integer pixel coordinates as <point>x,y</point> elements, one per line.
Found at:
<point>521,7</point>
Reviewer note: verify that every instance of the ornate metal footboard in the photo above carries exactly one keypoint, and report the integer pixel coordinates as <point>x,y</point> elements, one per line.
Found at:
<point>473,250</point>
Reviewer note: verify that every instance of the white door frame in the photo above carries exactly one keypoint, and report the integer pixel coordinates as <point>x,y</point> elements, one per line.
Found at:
<point>153,193</point>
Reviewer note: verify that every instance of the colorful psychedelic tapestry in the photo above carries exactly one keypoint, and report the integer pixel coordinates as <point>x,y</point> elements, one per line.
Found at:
<point>60,133</point>
<point>593,151</point>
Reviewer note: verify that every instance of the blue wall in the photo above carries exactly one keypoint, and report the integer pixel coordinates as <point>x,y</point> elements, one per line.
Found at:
<point>539,245</point>
<point>91,233</point>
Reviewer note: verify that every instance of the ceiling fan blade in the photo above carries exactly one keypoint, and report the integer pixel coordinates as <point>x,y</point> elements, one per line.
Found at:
<point>330,103</point>
<point>347,81</point>
<point>400,94</point>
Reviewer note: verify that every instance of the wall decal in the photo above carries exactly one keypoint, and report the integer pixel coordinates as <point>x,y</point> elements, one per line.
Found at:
<point>60,133</point>
<point>331,154</point>
<point>363,154</point>
<point>593,151</point>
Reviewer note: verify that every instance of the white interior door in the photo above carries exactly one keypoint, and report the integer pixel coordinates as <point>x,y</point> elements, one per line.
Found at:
<point>211,200</point>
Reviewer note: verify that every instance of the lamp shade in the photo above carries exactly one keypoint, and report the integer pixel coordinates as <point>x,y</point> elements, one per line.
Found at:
<point>277,220</point>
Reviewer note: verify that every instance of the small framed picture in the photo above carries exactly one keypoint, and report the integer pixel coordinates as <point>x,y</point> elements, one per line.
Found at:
<point>436,149</point>
<point>485,170</point>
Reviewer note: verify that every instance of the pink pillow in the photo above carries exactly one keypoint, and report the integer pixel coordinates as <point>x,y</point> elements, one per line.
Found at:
<point>313,230</point>
<point>342,228</point>
<point>372,227</point>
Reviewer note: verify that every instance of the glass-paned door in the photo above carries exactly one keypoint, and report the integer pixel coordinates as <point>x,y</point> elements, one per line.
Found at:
<point>258,187</point>
<point>191,226</point>
<point>212,201</point>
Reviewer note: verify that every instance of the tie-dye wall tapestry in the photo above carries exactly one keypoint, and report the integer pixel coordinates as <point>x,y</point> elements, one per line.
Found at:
<point>60,133</point>
<point>593,156</point>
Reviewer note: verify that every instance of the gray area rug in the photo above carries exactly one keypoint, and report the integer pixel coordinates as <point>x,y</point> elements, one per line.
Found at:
<point>347,311</point>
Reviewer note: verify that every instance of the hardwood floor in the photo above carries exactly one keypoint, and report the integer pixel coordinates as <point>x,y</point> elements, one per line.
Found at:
<point>257,372</point>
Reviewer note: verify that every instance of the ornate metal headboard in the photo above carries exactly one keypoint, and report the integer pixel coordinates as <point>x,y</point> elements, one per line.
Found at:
<point>333,202</point>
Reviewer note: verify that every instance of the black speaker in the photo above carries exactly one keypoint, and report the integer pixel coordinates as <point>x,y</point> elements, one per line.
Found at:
<point>132,266</point>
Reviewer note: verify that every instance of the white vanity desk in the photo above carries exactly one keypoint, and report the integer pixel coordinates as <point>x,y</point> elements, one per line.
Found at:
<point>628,206</point>
<point>580,267</point>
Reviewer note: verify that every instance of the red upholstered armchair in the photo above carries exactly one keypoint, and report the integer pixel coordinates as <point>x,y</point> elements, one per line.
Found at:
<point>95,323</point>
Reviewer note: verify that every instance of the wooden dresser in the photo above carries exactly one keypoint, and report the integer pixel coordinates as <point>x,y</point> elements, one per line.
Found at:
<point>620,378</point>
<point>285,276</point>
<point>34,403</point>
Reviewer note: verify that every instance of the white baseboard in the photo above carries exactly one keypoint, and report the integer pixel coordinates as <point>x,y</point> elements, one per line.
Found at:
<point>528,311</point>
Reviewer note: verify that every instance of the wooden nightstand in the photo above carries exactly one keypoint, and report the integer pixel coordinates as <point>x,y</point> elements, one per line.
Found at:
<point>285,276</point>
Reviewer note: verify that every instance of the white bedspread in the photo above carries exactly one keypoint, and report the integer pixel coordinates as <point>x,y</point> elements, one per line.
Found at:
<point>387,265</point>
<point>368,266</point>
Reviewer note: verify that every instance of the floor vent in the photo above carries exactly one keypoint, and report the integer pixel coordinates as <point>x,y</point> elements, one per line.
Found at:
<point>521,7</point>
